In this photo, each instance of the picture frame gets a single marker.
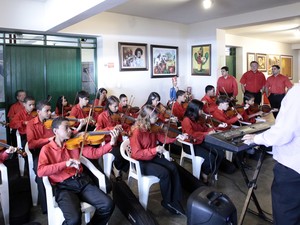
(262, 62)
(133, 56)
(250, 58)
(272, 60)
(164, 61)
(286, 66)
(201, 60)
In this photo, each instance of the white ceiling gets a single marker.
(51, 15)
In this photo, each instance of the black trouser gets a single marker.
(275, 101)
(119, 162)
(72, 191)
(285, 196)
(212, 156)
(39, 181)
(169, 180)
(257, 96)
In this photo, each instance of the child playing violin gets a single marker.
(154, 100)
(197, 131)
(63, 108)
(101, 97)
(144, 148)
(72, 185)
(178, 107)
(108, 119)
(209, 100)
(249, 115)
(219, 113)
(20, 120)
(77, 110)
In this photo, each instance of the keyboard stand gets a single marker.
(251, 184)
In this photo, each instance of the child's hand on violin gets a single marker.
(182, 137)
(119, 128)
(82, 122)
(114, 136)
(160, 149)
(239, 116)
(11, 150)
(73, 163)
(223, 125)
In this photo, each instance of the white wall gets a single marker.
(113, 28)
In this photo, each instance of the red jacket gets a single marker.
(18, 121)
(14, 109)
(178, 111)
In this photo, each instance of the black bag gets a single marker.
(188, 181)
(130, 206)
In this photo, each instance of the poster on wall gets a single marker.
(286, 67)
(273, 60)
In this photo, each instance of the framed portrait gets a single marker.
(250, 58)
(201, 60)
(164, 61)
(262, 62)
(272, 60)
(133, 56)
(286, 66)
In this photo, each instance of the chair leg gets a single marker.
(5, 206)
(21, 165)
(181, 159)
(144, 193)
(197, 166)
(33, 186)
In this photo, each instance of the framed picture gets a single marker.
(133, 56)
(250, 58)
(262, 62)
(272, 60)
(201, 59)
(164, 61)
(286, 67)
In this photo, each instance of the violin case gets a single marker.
(130, 206)
(188, 181)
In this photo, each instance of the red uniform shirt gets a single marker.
(37, 134)
(253, 82)
(77, 112)
(278, 84)
(196, 131)
(229, 84)
(209, 105)
(143, 143)
(3, 156)
(14, 109)
(178, 110)
(52, 160)
(18, 121)
(221, 116)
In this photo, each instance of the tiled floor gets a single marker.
(232, 185)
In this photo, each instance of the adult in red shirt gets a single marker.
(20, 120)
(226, 84)
(253, 82)
(197, 131)
(18, 105)
(178, 107)
(65, 171)
(209, 100)
(276, 87)
(144, 148)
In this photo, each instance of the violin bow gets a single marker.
(84, 134)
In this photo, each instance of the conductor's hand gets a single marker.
(248, 139)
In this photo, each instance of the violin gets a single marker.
(91, 138)
(122, 118)
(234, 110)
(34, 113)
(19, 151)
(264, 108)
(163, 110)
(171, 128)
(72, 121)
(97, 109)
(131, 109)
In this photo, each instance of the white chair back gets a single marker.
(196, 160)
(20, 158)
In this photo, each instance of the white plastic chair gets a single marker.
(55, 215)
(144, 182)
(196, 160)
(32, 175)
(20, 158)
(108, 159)
(4, 193)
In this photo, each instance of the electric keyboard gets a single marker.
(231, 140)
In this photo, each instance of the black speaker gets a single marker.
(206, 206)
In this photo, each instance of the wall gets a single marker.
(113, 28)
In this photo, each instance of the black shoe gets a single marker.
(174, 208)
